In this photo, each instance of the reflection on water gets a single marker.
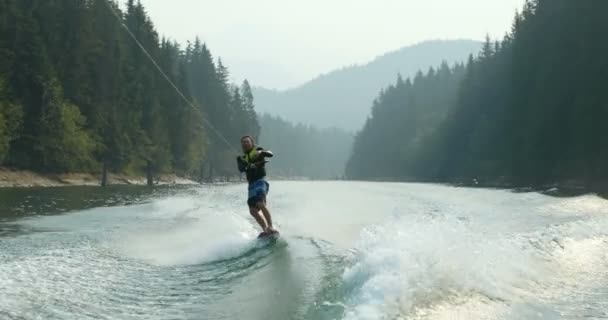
(21, 202)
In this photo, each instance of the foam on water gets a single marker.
(403, 267)
(446, 266)
(194, 230)
(210, 238)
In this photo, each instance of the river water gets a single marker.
(348, 251)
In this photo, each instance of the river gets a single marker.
(348, 250)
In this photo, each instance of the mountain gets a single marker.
(343, 98)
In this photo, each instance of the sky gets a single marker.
(284, 43)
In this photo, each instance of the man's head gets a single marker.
(247, 143)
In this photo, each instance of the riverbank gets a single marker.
(10, 178)
(568, 188)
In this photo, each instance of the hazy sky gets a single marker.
(283, 43)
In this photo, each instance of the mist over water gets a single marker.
(348, 251)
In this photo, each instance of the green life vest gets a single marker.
(250, 156)
(259, 172)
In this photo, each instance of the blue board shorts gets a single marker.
(257, 192)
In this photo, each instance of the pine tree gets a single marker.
(63, 144)
(11, 120)
(252, 125)
(487, 50)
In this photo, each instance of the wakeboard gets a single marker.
(269, 235)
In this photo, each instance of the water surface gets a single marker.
(348, 251)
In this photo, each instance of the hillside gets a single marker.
(343, 98)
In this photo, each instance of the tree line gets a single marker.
(78, 94)
(528, 110)
(305, 150)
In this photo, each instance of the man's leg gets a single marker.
(262, 206)
(258, 217)
(253, 210)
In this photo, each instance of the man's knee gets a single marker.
(260, 205)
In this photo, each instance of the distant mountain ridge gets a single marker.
(343, 98)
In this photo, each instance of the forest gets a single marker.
(305, 151)
(529, 110)
(78, 94)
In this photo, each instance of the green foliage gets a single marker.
(11, 120)
(11, 111)
(404, 117)
(79, 94)
(248, 111)
(63, 144)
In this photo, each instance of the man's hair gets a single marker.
(248, 137)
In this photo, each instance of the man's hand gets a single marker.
(265, 153)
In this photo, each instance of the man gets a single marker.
(253, 162)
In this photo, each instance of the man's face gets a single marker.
(246, 144)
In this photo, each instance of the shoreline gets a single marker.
(10, 178)
(14, 178)
(567, 188)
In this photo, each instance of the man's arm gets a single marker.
(263, 153)
(241, 164)
(258, 160)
